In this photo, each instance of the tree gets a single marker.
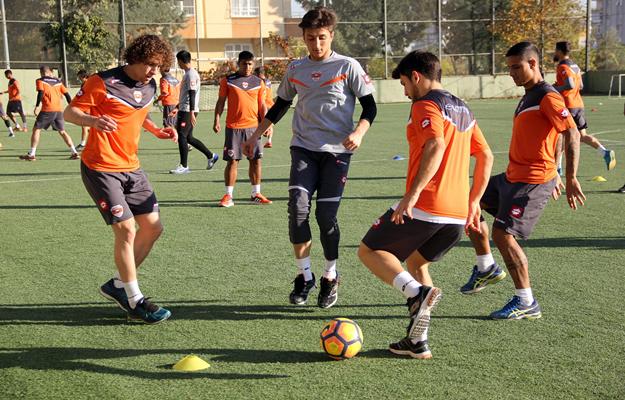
(543, 22)
(92, 28)
(609, 55)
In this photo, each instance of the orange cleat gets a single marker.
(258, 198)
(226, 201)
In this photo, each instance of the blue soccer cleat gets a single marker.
(117, 295)
(610, 159)
(479, 280)
(148, 312)
(212, 161)
(515, 310)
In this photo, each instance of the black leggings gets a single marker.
(185, 138)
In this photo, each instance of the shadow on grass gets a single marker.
(76, 173)
(599, 243)
(86, 360)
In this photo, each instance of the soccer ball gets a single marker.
(341, 338)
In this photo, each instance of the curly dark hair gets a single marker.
(319, 17)
(148, 49)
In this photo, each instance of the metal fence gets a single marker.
(375, 32)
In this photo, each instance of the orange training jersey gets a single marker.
(128, 102)
(246, 95)
(170, 90)
(14, 90)
(539, 118)
(569, 71)
(440, 114)
(53, 92)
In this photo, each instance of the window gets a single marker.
(244, 8)
(187, 7)
(233, 50)
(297, 11)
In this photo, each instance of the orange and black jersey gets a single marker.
(53, 92)
(441, 114)
(538, 120)
(170, 90)
(128, 102)
(569, 75)
(246, 97)
(14, 90)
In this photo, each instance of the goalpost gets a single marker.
(620, 85)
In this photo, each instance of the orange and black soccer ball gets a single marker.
(341, 338)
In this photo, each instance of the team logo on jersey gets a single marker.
(103, 204)
(245, 85)
(138, 96)
(80, 93)
(366, 78)
(564, 113)
(563, 72)
(425, 122)
(316, 76)
(516, 211)
(117, 210)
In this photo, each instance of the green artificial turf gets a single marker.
(226, 274)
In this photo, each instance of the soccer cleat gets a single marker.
(258, 198)
(11, 134)
(515, 310)
(80, 148)
(301, 288)
(610, 159)
(621, 189)
(268, 145)
(420, 307)
(405, 347)
(479, 280)
(148, 312)
(74, 156)
(180, 170)
(212, 161)
(328, 292)
(226, 201)
(28, 157)
(117, 295)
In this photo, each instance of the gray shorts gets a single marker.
(579, 116)
(167, 120)
(15, 106)
(119, 195)
(45, 119)
(431, 240)
(233, 144)
(516, 206)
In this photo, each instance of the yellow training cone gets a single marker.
(599, 179)
(191, 363)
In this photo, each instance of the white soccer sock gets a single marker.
(303, 265)
(525, 295)
(117, 281)
(484, 262)
(330, 270)
(601, 150)
(17, 126)
(133, 292)
(10, 130)
(83, 143)
(73, 149)
(406, 284)
(255, 189)
(32, 151)
(230, 190)
(423, 336)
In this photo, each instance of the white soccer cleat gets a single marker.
(180, 170)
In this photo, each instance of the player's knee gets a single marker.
(125, 231)
(363, 251)
(299, 205)
(326, 219)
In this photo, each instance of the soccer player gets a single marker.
(517, 197)
(49, 93)
(15, 101)
(569, 83)
(5, 118)
(82, 77)
(622, 188)
(170, 94)
(115, 105)
(245, 94)
(438, 203)
(187, 111)
(324, 138)
(260, 72)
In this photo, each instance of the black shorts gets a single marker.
(233, 144)
(119, 195)
(516, 206)
(45, 119)
(578, 115)
(15, 106)
(183, 123)
(169, 120)
(431, 240)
